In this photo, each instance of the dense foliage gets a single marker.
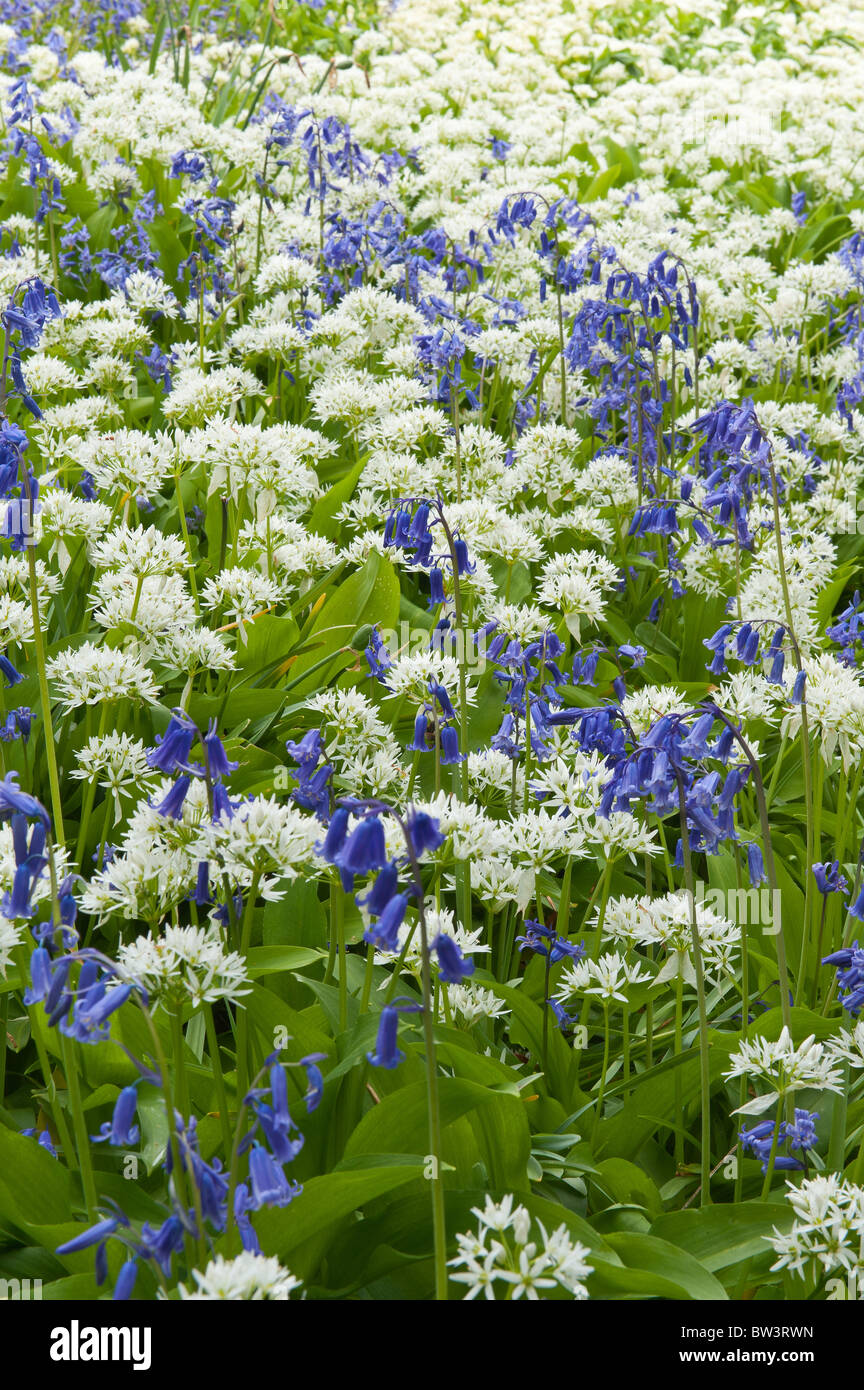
(431, 717)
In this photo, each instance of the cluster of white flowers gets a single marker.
(185, 964)
(827, 1236)
(256, 1278)
(513, 1256)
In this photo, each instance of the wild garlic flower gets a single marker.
(139, 552)
(185, 965)
(827, 1236)
(265, 838)
(785, 1068)
(11, 936)
(501, 1260)
(93, 675)
(251, 1277)
(666, 922)
(606, 978)
(117, 762)
(849, 1047)
(470, 1003)
(243, 594)
(143, 882)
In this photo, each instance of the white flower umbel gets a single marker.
(256, 1278)
(606, 978)
(11, 935)
(185, 964)
(827, 1235)
(512, 1256)
(785, 1068)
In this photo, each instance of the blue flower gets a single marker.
(171, 805)
(382, 890)
(829, 878)
(314, 1079)
(364, 851)
(7, 670)
(217, 758)
(120, 1130)
(13, 800)
(755, 866)
(385, 932)
(125, 1281)
(424, 832)
(453, 968)
(93, 1236)
(268, 1184)
(334, 841)
(849, 963)
(387, 1053)
(173, 747)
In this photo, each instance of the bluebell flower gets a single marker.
(243, 1204)
(268, 1185)
(419, 743)
(382, 890)
(424, 832)
(829, 878)
(849, 963)
(7, 670)
(334, 841)
(162, 1243)
(217, 758)
(453, 968)
(755, 865)
(560, 1014)
(17, 903)
(384, 933)
(43, 1139)
(314, 1079)
(94, 1235)
(171, 804)
(125, 1281)
(387, 1053)
(545, 941)
(174, 746)
(119, 1130)
(364, 850)
(13, 800)
(450, 747)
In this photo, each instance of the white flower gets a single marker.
(607, 978)
(257, 1278)
(11, 936)
(785, 1068)
(503, 1252)
(185, 963)
(92, 675)
(828, 1232)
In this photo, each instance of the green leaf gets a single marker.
(721, 1236)
(35, 1189)
(661, 1269)
(300, 1234)
(322, 518)
(400, 1124)
(370, 595)
(271, 960)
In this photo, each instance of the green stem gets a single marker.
(44, 696)
(704, 1062)
(82, 1138)
(219, 1079)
